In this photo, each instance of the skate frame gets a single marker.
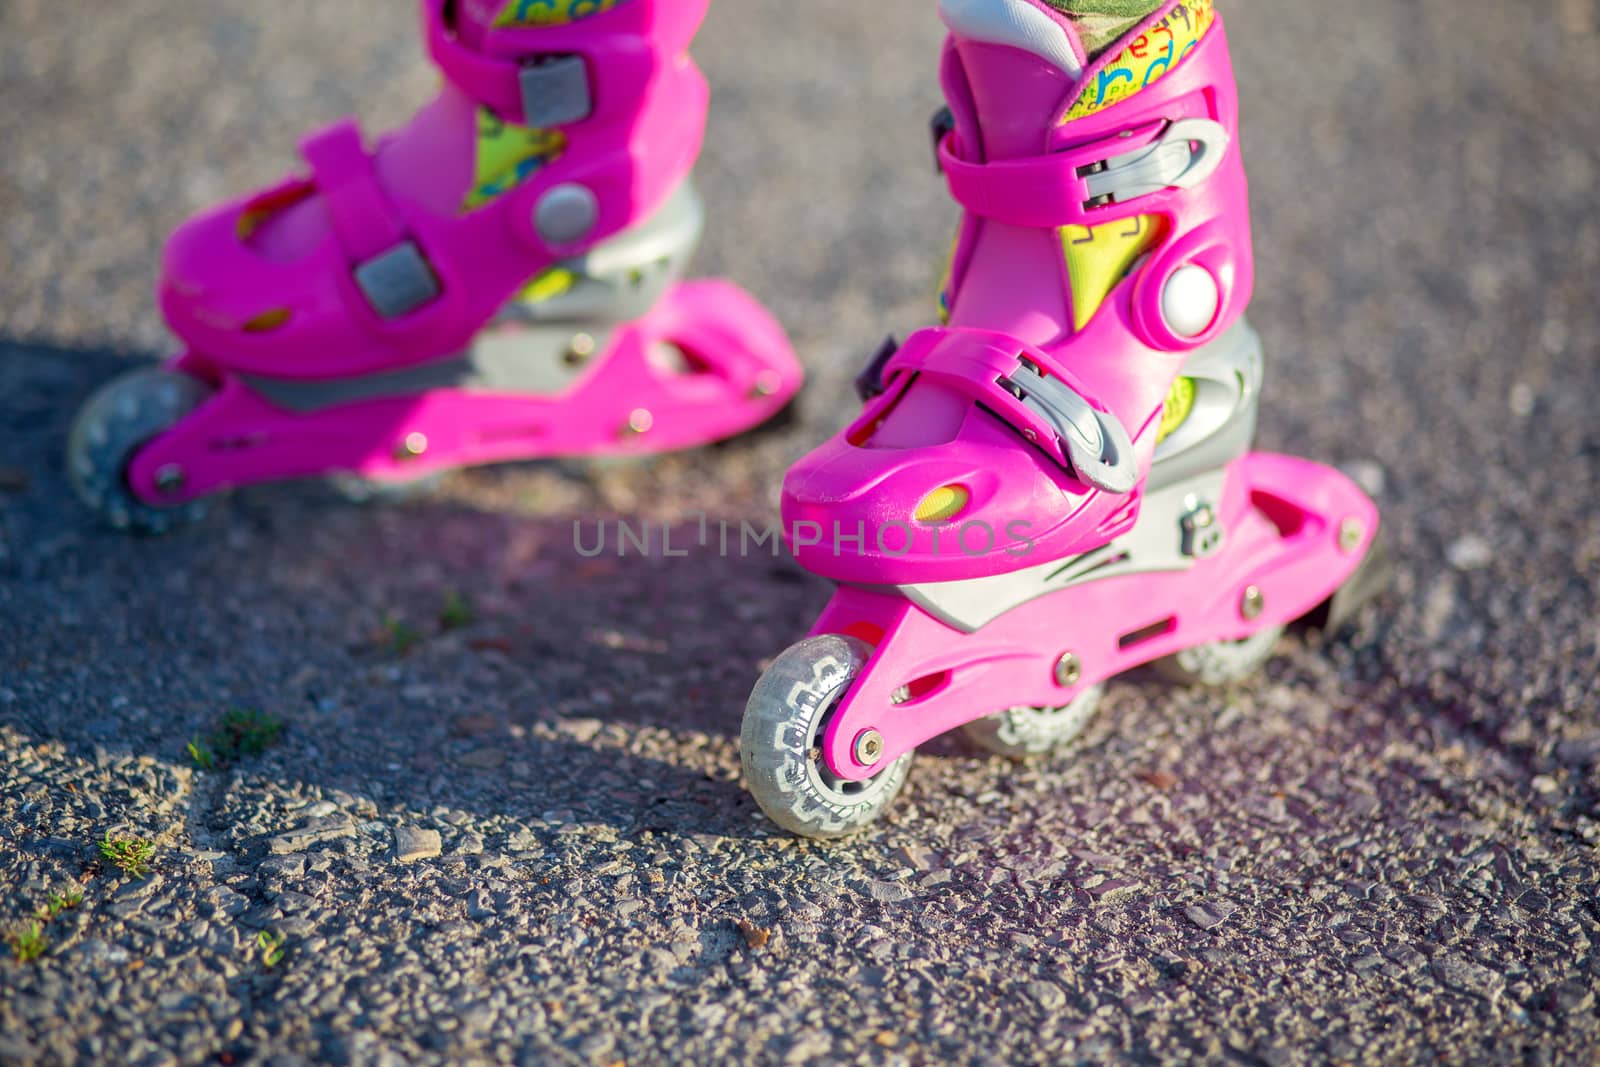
(1287, 531)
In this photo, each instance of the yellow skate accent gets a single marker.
(943, 504)
(547, 286)
(947, 281)
(506, 154)
(1179, 406)
(1146, 58)
(1098, 257)
(551, 12)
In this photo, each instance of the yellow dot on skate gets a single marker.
(943, 504)
(267, 321)
(1179, 405)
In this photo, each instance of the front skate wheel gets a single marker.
(781, 743)
(1019, 733)
(1220, 662)
(117, 421)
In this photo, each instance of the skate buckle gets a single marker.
(942, 125)
(869, 383)
(398, 281)
(555, 91)
(1202, 531)
(1187, 153)
(1095, 443)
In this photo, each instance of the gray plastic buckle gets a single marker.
(555, 91)
(1187, 153)
(942, 125)
(398, 282)
(869, 383)
(1096, 442)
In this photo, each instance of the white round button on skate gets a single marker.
(1190, 301)
(566, 214)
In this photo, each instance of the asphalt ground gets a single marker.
(1381, 850)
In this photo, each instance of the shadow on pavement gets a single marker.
(431, 653)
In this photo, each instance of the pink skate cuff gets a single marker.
(556, 86)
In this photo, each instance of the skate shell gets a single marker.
(1009, 312)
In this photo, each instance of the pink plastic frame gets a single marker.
(1288, 521)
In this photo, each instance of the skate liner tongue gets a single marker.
(1101, 22)
(1030, 25)
(1143, 56)
(476, 19)
(1151, 47)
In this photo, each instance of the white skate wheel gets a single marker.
(1190, 301)
(566, 214)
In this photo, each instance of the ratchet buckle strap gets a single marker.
(1083, 186)
(1017, 382)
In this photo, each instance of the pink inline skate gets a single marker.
(1056, 486)
(498, 280)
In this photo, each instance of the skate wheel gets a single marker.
(1220, 662)
(108, 432)
(359, 490)
(780, 743)
(1018, 733)
(1369, 581)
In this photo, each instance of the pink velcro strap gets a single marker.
(1049, 190)
(357, 206)
(1036, 192)
(973, 362)
(492, 82)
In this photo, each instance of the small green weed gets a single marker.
(272, 948)
(241, 732)
(57, 903)
(27, 941)
(400, 635)
(456, 612)
(131, 855)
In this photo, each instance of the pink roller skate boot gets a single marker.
(497, 280)
(1057, 484)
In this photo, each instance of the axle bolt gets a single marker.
(1253, 603)
(414, 445)
(1069, 669)
(768, 382)
(869, 748)
(640, 420)
(169, 479)
(580, 349)
(1351, 531)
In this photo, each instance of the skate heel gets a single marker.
(1210, 416)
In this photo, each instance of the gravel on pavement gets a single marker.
(504, 822)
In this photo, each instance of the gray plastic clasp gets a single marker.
(1187, 153)
(555, 91)
(1096, 442)
(942, 125)
(398, 282)
(869, 383)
